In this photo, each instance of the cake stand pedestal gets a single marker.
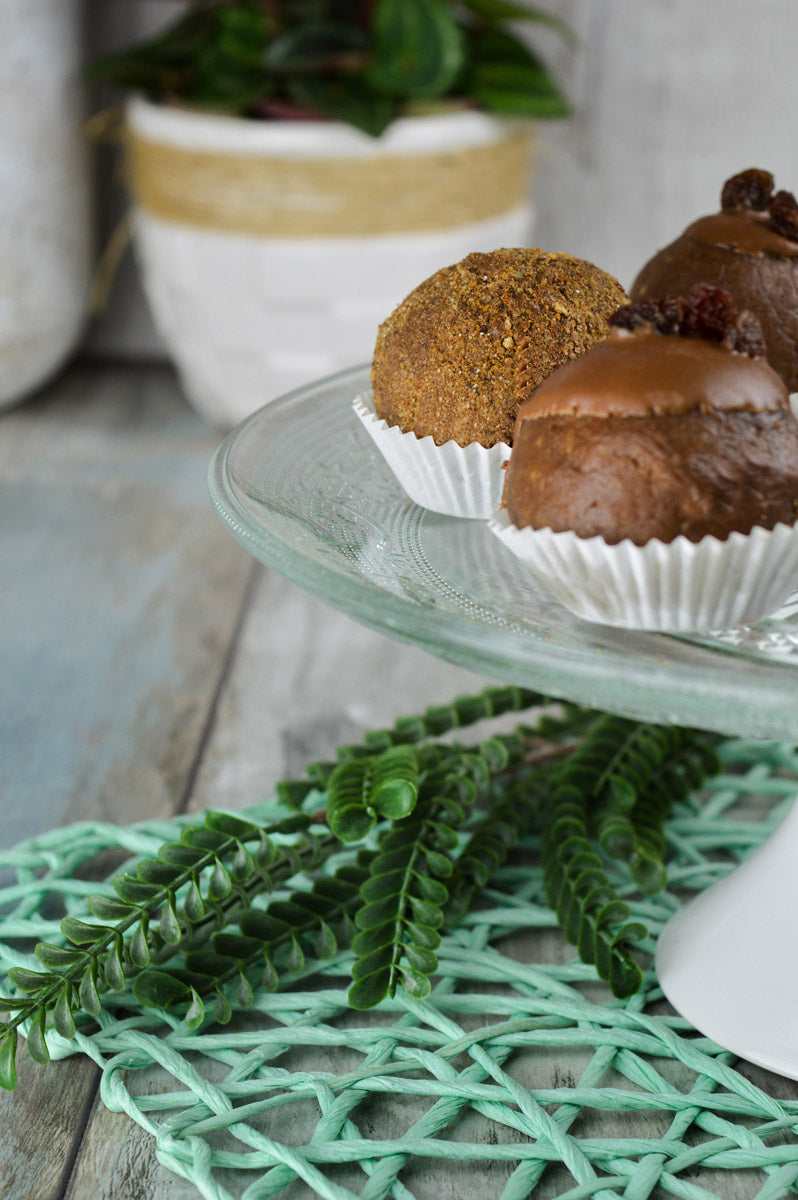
(727, 961)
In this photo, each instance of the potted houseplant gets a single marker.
(296, 166)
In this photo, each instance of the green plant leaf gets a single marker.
(108, 908)
(81, 933)
(518, 90)
(236, 946)
(316, 47)
(195, 1014)
(296, 959)
(624, 975)
(88, 992)
(150, 870)
(507, 10)
(396, 799)
(349, 99)
(220, 885)
(439, 864)
(422, 960)
(416, 984)
(648, 872)
(127, 887)
(245, 994)
(418, 48)
(367, 993)
(8, 1053)
(28, 981)
(181, 856)
(425, 913)
(269, 978)
(63, 1020)
(161, 989)
(56, 957)
(377, 960)
(373, 938)
(199, 837)
(37, 1045)
(113, 969)
(243, 864)
(193, 905)
(232, 826)
(325, 943)
(169, 926)
(138, 947)
(222, 1009)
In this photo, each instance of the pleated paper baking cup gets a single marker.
(678, 586)
(459, 481)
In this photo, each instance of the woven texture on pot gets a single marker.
(272, 195)
(520, 1075)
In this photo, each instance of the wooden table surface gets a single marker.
(150, 666)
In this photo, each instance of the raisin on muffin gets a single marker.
(750, 249)
(675, 425)
(461, 352)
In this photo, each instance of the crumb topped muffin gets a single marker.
(750, 249)
(458, 356)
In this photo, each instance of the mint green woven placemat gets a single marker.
(520, 1075)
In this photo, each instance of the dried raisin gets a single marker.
(708, 313)
(748, 189)
(783, 211)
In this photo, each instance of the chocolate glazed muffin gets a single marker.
(676, 424)
(461, 352)
(750, 249)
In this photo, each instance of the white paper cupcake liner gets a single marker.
(679, 586)
(459, 481)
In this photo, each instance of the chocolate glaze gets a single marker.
(652, 436)
(744, 232)
(646, 374)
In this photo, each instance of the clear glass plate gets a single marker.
(302, 487)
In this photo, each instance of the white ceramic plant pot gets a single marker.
(45, 247)
(270, 251)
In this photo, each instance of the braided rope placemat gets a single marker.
(519, 1075)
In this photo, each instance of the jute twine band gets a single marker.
(273, 196)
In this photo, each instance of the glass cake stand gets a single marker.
(302, 487)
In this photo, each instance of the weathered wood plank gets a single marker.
(41, 1125)
(306, 679)
(121, 590)
(120, 594)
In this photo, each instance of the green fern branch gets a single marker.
(190, 927)
(149, 924)
(596, 807)
(322, 913)
(405, 894)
